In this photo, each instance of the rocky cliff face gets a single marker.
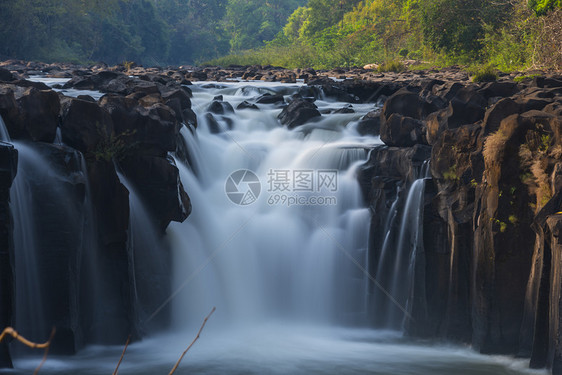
(8, 168)
(130, 130)
(488, 272)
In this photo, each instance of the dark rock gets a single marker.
(87, 98)
(499, 89)
(220, 107)
(347, 109)
(110, 200)
(6, 75)
(402, 131)
(503, 245)
(406, 103)
(8, 169)
(493, 117)
(270, 99)
(370, 123)
(247, 105)
(36, 115)
(157, 180)
(155, 125)
(189, 117)
(213, 124)
(466, 107)
(87, 127)
(298, 112)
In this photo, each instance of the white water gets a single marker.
(287, 281)
(270, 262)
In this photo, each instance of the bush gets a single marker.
(392, 66)
(485, 74)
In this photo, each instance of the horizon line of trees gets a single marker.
(507, 34)
(151, 32)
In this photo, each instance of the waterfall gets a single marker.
(396, 262)
(286, 268)
(298, 253)
(148, 257)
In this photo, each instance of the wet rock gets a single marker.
(213, 124)
(370, 123)
(59, 218)
(270, 99)
(298, 112)
(346, 109)
(111, 202)
(220, 108)
(247, 105)
(157, 180)
(8, 169)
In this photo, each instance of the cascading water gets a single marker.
(287, 272)
(148, 256)
(395, 265)
(50, 195)
(285, 256)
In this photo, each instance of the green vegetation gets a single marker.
(392, 66)
(485, 74)
(504, 34)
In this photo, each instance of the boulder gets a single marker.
(157, 181)
(298, 112)
(6, 75)
(268, 98)
(87, 127)
(247, 105)
(370, 123)
(402, 131)
(155, 126)
(219, 107)
(466, 107)
(34, 115)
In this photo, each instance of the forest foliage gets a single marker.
(151, 32)
(506, 34)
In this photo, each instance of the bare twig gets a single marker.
(122, 355)
(193, 342)
(46, 351)
(9, 331)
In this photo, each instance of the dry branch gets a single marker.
(193, 342)
(122, 355)
(12, 332)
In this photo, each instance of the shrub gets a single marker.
(392, 66)
(485, 74)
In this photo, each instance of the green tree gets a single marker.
(542, 7)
